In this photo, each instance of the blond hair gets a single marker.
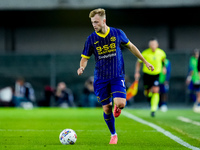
(101, 12)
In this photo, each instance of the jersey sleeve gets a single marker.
(88, 50)
(191, 65)
(124, 40)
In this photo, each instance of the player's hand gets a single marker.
(149, 66)
(188, 80)
(164, 70)
(80, 71)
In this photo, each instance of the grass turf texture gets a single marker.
(39, 128)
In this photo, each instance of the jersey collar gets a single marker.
(104, 35)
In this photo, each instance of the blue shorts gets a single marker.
(164, 88)
(105, 89)
(194, 87)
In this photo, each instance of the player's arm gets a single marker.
(134, 50)
(190, 71)
(83, 64)
(137, 70)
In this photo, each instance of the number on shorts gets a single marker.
(123, 83)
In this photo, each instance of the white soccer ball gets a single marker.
(68, 137)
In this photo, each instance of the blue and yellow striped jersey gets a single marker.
(107, 51)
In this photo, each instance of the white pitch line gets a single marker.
(188, 120)
(159, 129)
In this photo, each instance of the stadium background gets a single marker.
(42, 41)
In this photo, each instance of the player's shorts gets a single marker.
(194, 87)
(106, 89)
(164, 88)
(150, 80)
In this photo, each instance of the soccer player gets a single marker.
(193, 79)
(109, 73)
(156, 57)
(164, 85)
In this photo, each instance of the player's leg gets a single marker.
(148, 93)
(154, 100)
(110, 121)
(151, 83)
(192, 92)
(119, 95)
(147, 86)
(109, 118)
(196, 107)
(163, 97)
(162, 89)
(120, 103)
(102, 92)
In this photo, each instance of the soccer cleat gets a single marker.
(116, 111)
(113, 139)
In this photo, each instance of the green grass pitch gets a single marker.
(39, 129)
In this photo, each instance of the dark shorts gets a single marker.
(150, 80)
(105, 89)
(194, 87)
(164, 88)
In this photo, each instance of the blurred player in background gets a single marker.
(164, 85)
(156, 57)
(193, 79)
(109, 73)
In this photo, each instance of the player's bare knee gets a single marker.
(107, 108)
(156, 89)
(121, 104)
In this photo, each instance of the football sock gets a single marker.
(113, 134)
(164, 103)
(110, 121)
(149, 96)
(154, 101)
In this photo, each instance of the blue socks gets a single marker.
(110, 121)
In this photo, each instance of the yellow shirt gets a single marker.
(154, 58)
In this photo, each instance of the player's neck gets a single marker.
(104, 29)
(153, 50)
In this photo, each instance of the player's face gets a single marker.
(196, 54)
(153, 45)
(98, 23)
